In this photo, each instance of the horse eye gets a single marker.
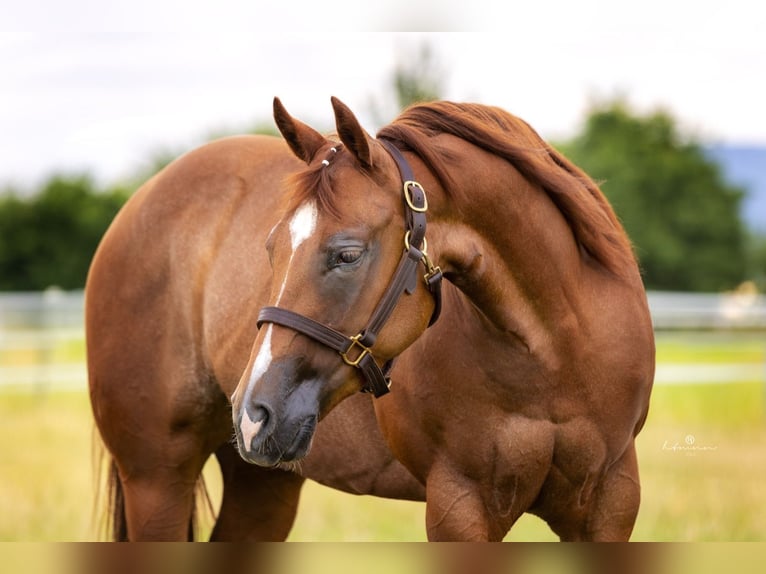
(348, 256)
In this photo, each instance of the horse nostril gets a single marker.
(260, 412)
(254, 420)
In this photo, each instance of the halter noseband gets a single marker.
(356, 351)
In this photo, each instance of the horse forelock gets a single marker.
(581, 202)
(319, 182)
(315, 183)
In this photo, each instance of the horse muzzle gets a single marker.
(258, 444)
(270, 431)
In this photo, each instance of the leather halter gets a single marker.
(356, 351)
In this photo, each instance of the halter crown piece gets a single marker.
(356, 350)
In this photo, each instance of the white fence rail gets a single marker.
(41, 339)
(42, 334)
(48, 309)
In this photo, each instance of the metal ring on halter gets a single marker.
(424, 250)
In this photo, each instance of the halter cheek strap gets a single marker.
(356, 351)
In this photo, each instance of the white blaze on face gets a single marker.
(262, 361)
(302, 226)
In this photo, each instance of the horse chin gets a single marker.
(266, 460)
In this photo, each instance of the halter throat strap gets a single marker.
(356, 351)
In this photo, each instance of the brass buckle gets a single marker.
(355, 343)
(408, 196)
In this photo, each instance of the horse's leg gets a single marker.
(616, 500)
(259, 504)
(454, 512)
(159, 496)
(460, 509)
(602, 508)
(160, 429)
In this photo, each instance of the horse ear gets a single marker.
(305, 141)
(351, 133)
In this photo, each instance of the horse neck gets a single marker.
(508, 248)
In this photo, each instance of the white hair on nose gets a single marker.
(302, 226)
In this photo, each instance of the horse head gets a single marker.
(336, 317)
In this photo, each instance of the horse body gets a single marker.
(526, 395)
(551, 358)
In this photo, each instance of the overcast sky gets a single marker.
(100, 85)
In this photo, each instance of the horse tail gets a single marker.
(203, 509)
(108, 516)
(117, 528)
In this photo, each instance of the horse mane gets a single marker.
(592, 220)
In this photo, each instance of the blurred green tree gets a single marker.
(49, 238)
(678, 210)
(417, 76)
(756, 260)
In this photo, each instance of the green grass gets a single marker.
(734, 406)
(46, 476)
(711, 347)
(54, 350)
(47, 484)
(709, 495)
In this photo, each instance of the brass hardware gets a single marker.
(408, 196)
(355, 343)
(431, 269)
(407, 243)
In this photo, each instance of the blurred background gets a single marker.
(659, 102)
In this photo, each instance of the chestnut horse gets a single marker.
(525, 396)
